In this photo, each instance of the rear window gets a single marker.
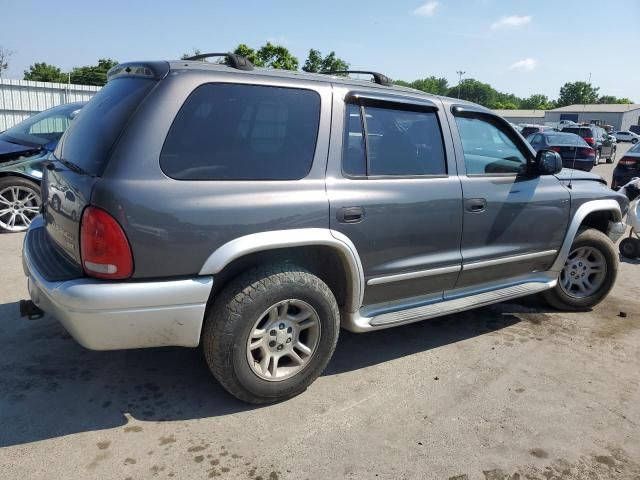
(90, 137)
(583, 132)
(566, 140)
(243, 132)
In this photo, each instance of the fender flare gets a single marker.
(582, 212)
(258, 242)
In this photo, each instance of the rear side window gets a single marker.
(583, 132)
(398, 143)
(90, 137)
(243, 132)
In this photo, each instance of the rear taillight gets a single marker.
(555, 149)
(587, 152)
(104, 247)
(628, 162)
(589, 140)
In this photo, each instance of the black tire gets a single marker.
(558, 298)
(634, 141)
(55, 203)
(630, 248)
(231, 320)
(612, 157)
(597, 159)
(24, 184)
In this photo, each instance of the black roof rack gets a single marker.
(233, 59)
(378, 78)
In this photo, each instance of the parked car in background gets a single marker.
(598, 139)
(565, 123)
(627, 136)
(627, 168)
(529, 129)
(575, 152)
(24, 149)
(255, 212)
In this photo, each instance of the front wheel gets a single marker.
(634, 141)
(630, 248)
(588, 275)
(271, 332)
(19, 203)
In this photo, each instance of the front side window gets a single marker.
(487, 148)
(398, 142)
(243, 132)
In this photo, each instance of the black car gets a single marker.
(575, 152)
(628, 167)
(531, 129)
(24, 148)
(598, 139)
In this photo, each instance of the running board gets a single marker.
(357, 323)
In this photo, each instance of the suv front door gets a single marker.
(394, 192)
(514, 220)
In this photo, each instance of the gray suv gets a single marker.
(254, 212)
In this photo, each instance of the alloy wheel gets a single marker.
(584, 272)
(283, 340)
(18, 207)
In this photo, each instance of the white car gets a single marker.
(627, 136)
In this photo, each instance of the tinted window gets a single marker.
(91, 135)
(584, 132)
(566, 140)
(354, 161)
(399, 142)
(487, 148)
(243, 132)
(526, 131)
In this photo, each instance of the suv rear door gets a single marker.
(514, 221)
(393, 190)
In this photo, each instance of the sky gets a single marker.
(521, 47)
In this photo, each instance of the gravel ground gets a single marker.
(512, 391)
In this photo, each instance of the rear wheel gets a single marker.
(271, 333)
(634, 140)
(630, 248)
(612, 157)
(588, 275)
(19, 203)
(597, 160)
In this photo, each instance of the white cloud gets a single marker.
(525, 65)
(512, 21)
(426, 10)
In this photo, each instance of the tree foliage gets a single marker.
(269, 56)
(43, 72)
(93, 74)
(315, 62)
(610, 99)
(4, 59)
(196, 51)
(573, 93)
(475, 91)
(537, 101)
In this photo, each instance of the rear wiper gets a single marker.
(73, 167)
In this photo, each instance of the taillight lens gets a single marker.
(104, 247)
(555, 149)
(628, 162)
(587, 152)
(589, 140)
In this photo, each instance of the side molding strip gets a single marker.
(582, 212)
(262, 241)
(410, 275)
(513, 258)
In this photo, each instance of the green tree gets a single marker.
(4, 59)
(315, 62)
(475, 91)
(93, 74)
(536, 101)
(43, 72)
(432, 84)
(269, 56)
(573, 93)
(610, 99)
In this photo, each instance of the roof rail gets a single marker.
(233, 59)
(378, 78)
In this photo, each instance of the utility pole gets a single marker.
(460, 74)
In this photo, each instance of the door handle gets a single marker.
(475, 205)
(350, 214)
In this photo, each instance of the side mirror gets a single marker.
(548, 162)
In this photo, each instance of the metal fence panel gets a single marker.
(19, 99)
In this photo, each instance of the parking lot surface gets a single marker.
(514, 391)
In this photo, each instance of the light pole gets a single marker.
(460, 74)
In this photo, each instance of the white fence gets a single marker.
(19, 99)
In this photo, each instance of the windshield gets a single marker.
(43, 127)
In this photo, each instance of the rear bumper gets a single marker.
(111, 316)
